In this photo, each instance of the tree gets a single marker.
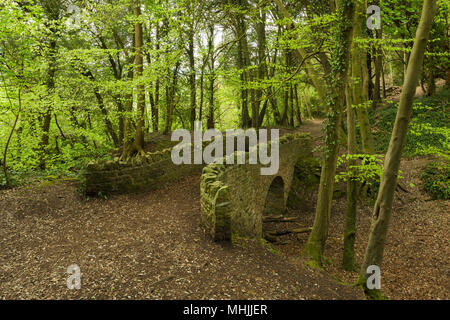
(132, 147)
(383, 206)
(336, 101)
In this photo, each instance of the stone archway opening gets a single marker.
(274, 204)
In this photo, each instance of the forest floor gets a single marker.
(417, 251)
(150, 246)
(138, 246)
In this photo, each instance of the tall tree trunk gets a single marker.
(139, 64)
(360, 73)
(192, 78)
(212, 77)
(378, 56)
(250, 77)
(202, 94)
(370, 86)
(348, 260)
(291, 100)
(297, 104)
(170, 98)
(5, 151)
(262, 68)
(48, 113)
(284, 118)
(338, 80)
(128, 148)
(155, 111)
(383, 80)
(241, 63)
(383, 206)
(431, 82)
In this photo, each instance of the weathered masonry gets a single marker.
(235, 197)
(151, 172)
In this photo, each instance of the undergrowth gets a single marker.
(429, 129)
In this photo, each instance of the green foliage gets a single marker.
(429, 130)
(367, 168)
(436, 178)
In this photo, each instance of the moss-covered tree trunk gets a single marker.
(336, 100)
(356, 97)
(139, 65)
(348, 259)
(360, 74)
(192, 86)
(132, 146)
(383, 206)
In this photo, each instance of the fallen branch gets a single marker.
(280, 219)
(284, 232)
(399, 186)
(154, 284)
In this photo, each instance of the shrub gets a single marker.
(436, 178)
(428, 132)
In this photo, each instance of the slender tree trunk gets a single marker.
(383, 80)
(340, 60)
(170, 98)
(284, 118)
(383, 206)
(251, 78)
(360, 91)
(5, 151)
(139, 63)
(262, 68)
(192, 78)
(212, 77)
(405, 63)
(378, 65)
(431, 85)
(200, 111)
(348, 260)
(241, 63)
(291, 98)
(48, 113)
(157, 86)
(297, 104)
(370, 86)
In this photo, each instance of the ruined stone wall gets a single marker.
(233, 196)
(141, 174)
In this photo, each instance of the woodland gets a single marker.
(97, 80)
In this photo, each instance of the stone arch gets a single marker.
(275, 197)
(235, 197)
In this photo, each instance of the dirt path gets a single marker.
(145, 246)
